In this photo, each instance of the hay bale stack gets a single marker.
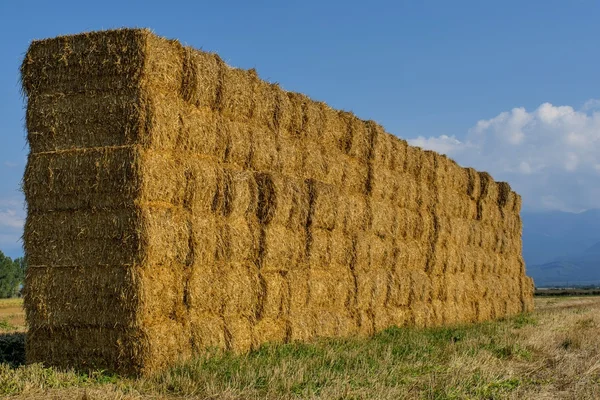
(176, 203)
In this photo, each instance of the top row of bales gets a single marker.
(220, 103)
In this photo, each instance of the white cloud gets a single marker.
(550, 155)
(10, 164)
(442, 144)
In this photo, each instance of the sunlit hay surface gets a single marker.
(177, 204)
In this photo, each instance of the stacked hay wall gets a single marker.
(176, 204)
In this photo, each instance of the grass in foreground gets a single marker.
(551, 353)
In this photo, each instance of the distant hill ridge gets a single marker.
(561, 247)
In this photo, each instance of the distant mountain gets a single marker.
(578, 269)
(561, 248)
(548, 236)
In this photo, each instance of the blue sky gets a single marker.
(505, 86)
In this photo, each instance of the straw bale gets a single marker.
(303, 326)
(354, 214)
(301, 321)
(165, 236)
(297, 102)
(331, 287)
(412, 162)
(359, 138)
(354, 178)
(265, 150)
(421, 288)
(324, 202)
(104, 178)
(282, 117)
(58, 122)
(334, 131)
(240, 141)
(335, 248)
(438, 314)
(205, 288)
(385, 219)
(399, 316)
(163, 177)
(427, 168)
(449, 176)
(290, 157)
(203, 132)
(320, 251)
(284, 199)
(385, 186)
(412, 255)
(383, 152)
(244, 194)
(133, 351)
(426, 197)
(299, 290)
(207, 330)
(271, 330)
(274, 295)
(315, 164)
(265, 103)
(238, 333)
(438, 287)
(77, 239)
(201, 78)
(527, 289)
(164, 61)
(422, 314)
(342, 248)
(410, 224)
(283, 249)
(328, 322)
(92, 61)
(162, 121)
(460, 229)
(473, 184)
(381, 319)
(204, 239)
(238, 240)
(407, 192)
(399, 288)
(382, 253)
(241, 288)
(236, 93)
(313, 121)
(61, 296)
(207, 187)
(88, 347)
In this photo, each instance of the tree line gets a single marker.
(12, 276)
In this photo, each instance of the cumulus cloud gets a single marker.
(551, 155)
(442, 144)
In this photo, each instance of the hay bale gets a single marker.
(204, 207)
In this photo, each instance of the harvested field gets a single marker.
(551, 353)
(177, 204)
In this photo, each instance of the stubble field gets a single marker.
(551, 353)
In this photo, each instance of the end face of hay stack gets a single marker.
(176, 204)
